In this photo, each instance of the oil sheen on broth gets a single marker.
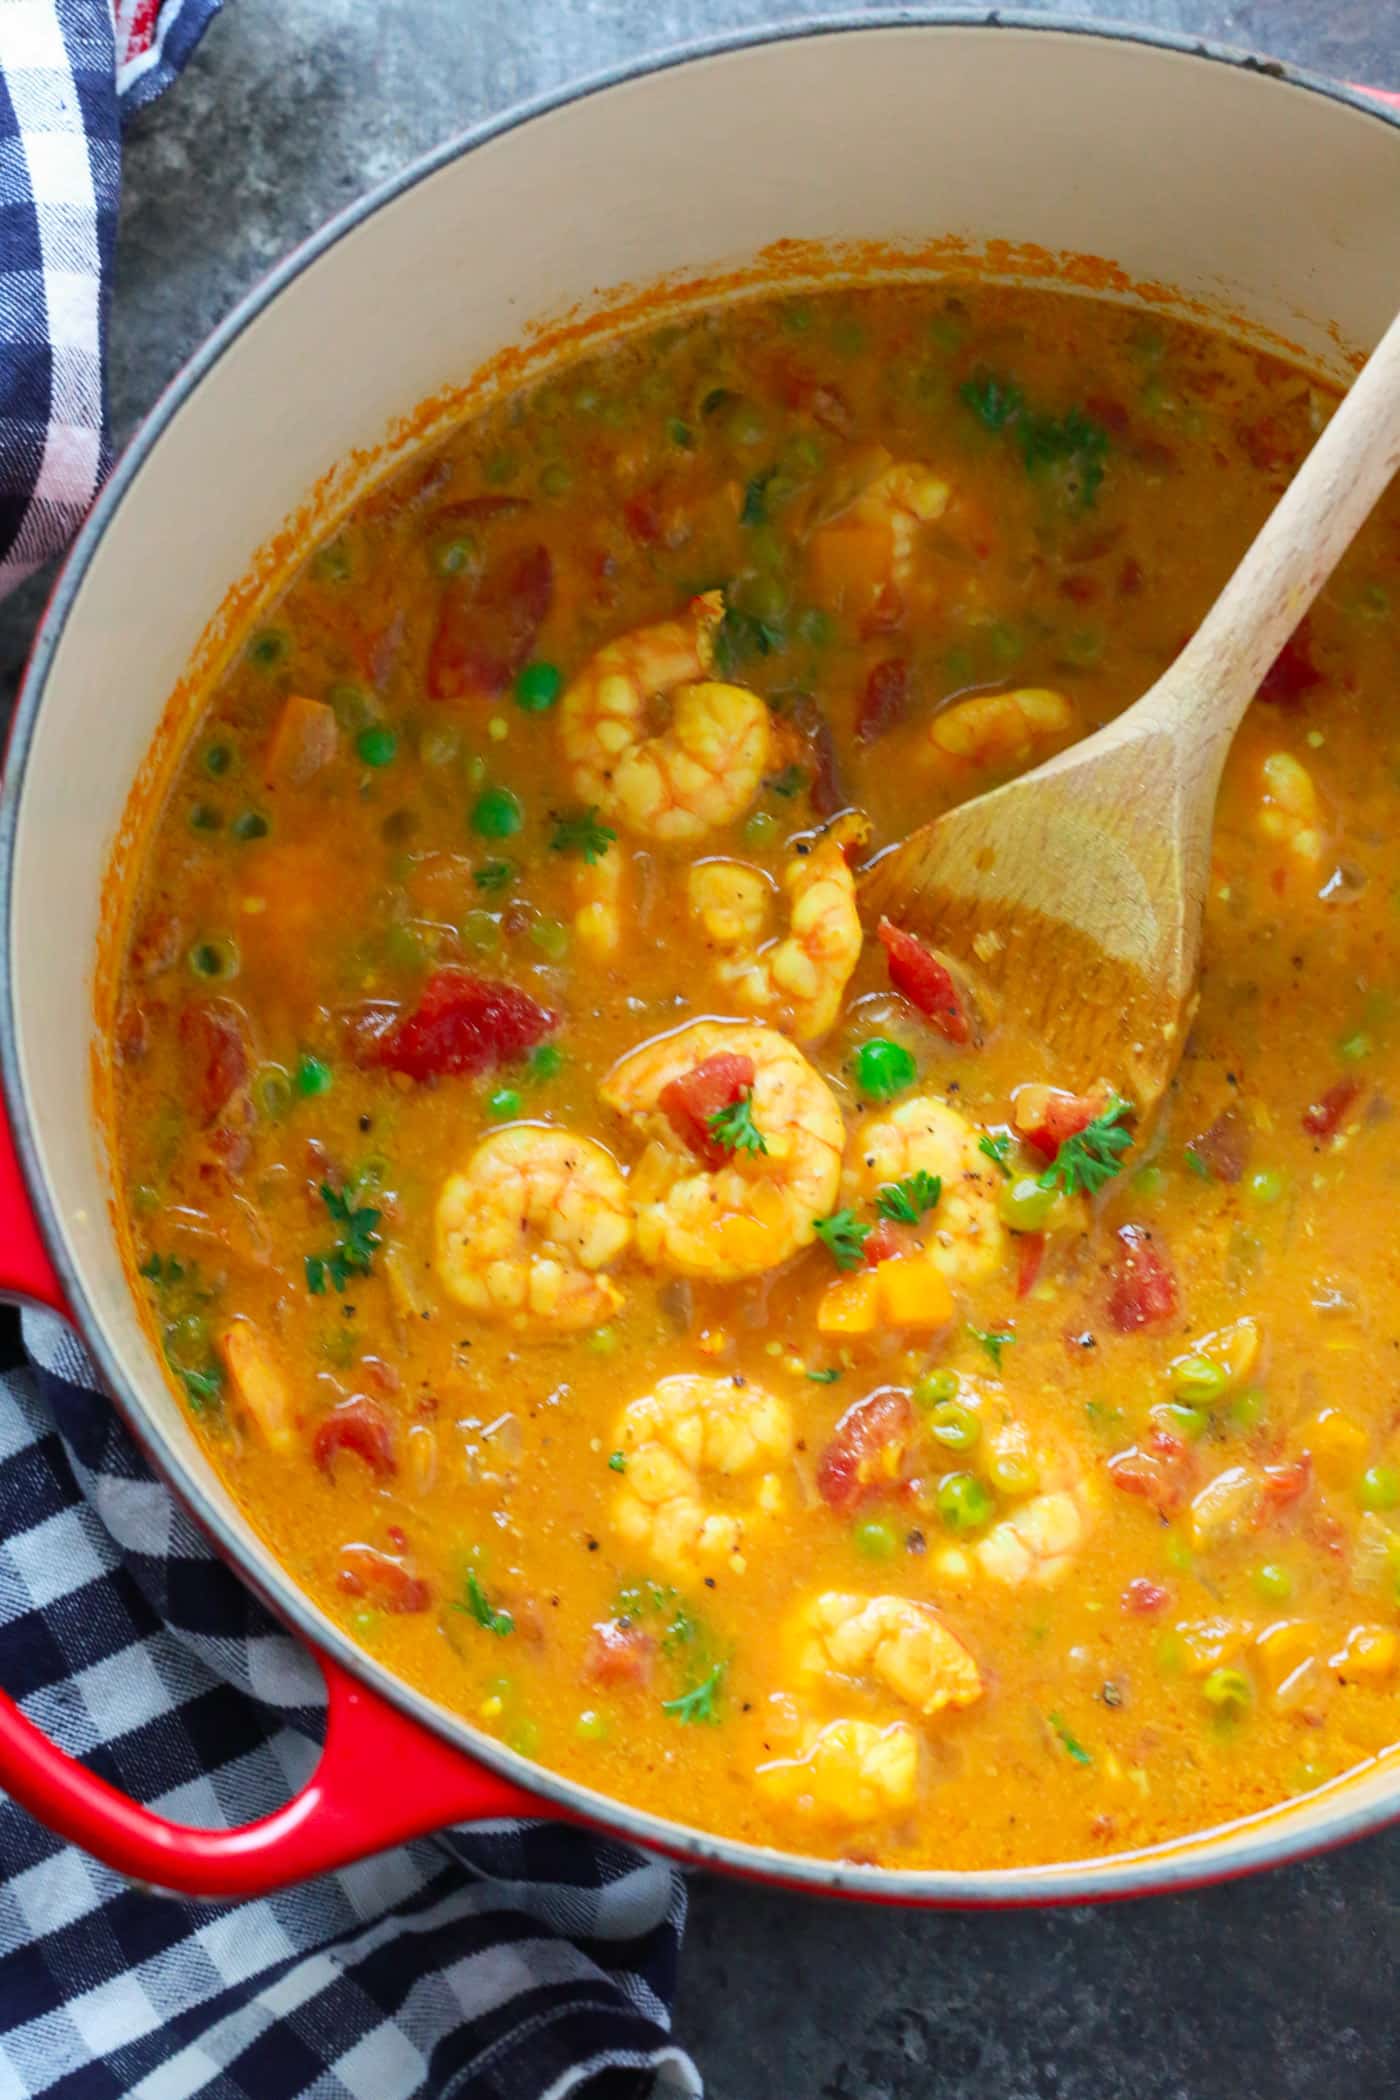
(633, 1301)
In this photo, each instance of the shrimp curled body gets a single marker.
(801, 977)
(683, 1442)
(966, 1238)
(698, 774)
(525, 1230)
(756, 1208)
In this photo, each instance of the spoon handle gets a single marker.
(1205, 693)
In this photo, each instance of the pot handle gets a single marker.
(382, 1778)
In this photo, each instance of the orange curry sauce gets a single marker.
(637, 1307)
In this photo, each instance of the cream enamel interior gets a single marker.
(1262, 199)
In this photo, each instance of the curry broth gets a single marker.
(1188, 1608)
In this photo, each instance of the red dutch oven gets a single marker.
(1192, 179)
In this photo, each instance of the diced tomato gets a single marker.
(918, 975)
(827, 792)
(1029, 1256)
(1131, 578)
(1142, 1597)
(882, 1244)
(1225, 1146)
(214, 1037)
(1142, 1288)
(486, 632)
(1283, 1484)
(642, 517)
(1292, 672)
(1110, 412)
(1081, 589)
(1045, 1117)
(689, 1101)
(1269, 443)
(385, 1581)
(618, 1653)
(1326, 1115)
(461, 1024)
(1157, 1477)
(884, 699)
(359, 1425)
(867, 1448)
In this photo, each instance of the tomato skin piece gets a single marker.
(918, 976)
(486, 634)
(1324, 1118)
(689, 1101)
(1292, 672)
(386, 1582)
(1050, 1117)
(214, 1036)
(1029, 1256)
(884, 699)
(1142, 1291)
(359, 1425)
(618, 1653)
(882, 1244)
(462, 1024)
(1283, 1484)
(1150, 1474)
(866, 1449)
(1142, 1597)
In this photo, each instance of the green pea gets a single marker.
(935, 1387)
(883, 1068)
(1149, 1184)
(269, 648)
(333, 562)
(546, 1061)
(403, 948)
(537, 688)
(813, 626)
(456, 556)
(1246, 1410)
(504, 1105)
(803, 455)
(216, 959)
(1354, 1047)
(1169, 1654)
(1266, 1186)
(680, 433)
(1179, 1420)
(551, 937)
(1227, 1690)
(556, 479)
(500, 468)
(1273, 1583)
(954, 1426)
(313, 1076)
(365, 1623)
(1082, 647)
(524, 1736)
(1380, 1487)
(875, 1539)
(1373, 602)
(796, 317)
(958, 666)
(766, 597)
(272, 1090)
(591, 1726)
(745, 424)
(1013, 1473)
(353, 707)
(438, 747)
(204, 817)
(1005, 642)
(217, 760)
(498, 814)
(603, 1341)
(145, 1198)
(1178, 1555)
(377, 746)
(480, 932)
(761, 828)
(251, 824)
(1198, 1381)
(1024, 1205)
(964, 1502)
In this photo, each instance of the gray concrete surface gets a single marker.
(1267, 1991)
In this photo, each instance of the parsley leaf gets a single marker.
(739, 637)
(1093, 1156)
(699, 1704)
(479, 1607)
(578, 831)
(353, 1251)
(992, 1339)
(156, 1270)
(1074, 445)
(843, 1237)
(755, 510)
(734, 1128)
(1071, 1746)
(827, 1377)
(788, 783)
(996, 1149)
(494, 874)
(203, 1387)
(904, 1202)
(1198, 1165)
(618, 1461)
(995, 402)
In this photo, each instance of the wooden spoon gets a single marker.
(1071, 899)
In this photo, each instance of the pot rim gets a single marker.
(1170, 1867)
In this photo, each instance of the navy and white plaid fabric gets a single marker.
(509, 1962)
(70, 70)
(513, 1961)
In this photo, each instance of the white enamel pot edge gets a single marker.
(1182, 163)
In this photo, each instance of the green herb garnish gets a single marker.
(1072, 446)
(1070, 1744)
(1198, 1164)
(992, 1339)
(479, 1607)
(734, 1128)
(996, 1150)
(995, 402)
(905, 1202)
(203, 1387)
(788, 783)
(353, 1251)
(618, 1461)
(1093, 1155)
(494, 874)
(755, 509)
(699, 1704)
(741, 636)
(579, 831)
(844, 1237)
(827, 1377)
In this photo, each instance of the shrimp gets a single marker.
(1037, 1541)
(749, 1209)
(1290, 811)
(258, 1382)
(892, 1642)
(525, 1230)
(688, 1426)
(965, 1235)
(801, 977)
(866, 553)
(848, 1772)
(697, 775)
(599, 887)
(1001, 730)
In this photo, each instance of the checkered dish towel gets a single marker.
(513, 1961)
